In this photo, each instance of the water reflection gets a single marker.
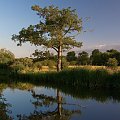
(4, 109)
(58, 113)
(54, 104)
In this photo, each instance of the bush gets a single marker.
(112, 62)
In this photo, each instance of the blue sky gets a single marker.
(104, 21)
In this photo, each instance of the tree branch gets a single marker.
(55, 49)
(67, 30)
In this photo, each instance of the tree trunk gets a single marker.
(59, 100)
(59, 62)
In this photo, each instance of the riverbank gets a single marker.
(98, 78)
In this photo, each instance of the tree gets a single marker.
(96, 57)
(38, 65)
(83, 58)
(71, 56)
(112, 62)
(58, 113)
(53, 30)
(65, 64)
(104, 58)
(21, 63)
(114, 54)
(6, 56)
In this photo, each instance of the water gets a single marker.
(29, 102)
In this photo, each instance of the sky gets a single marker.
(102, 29)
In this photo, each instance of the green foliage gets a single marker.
(21, 64)
(73, 63)
(112, 62)
(96, 57)
(104, 58)
(65, 64)
(53, 30)
(101, 58)
(87, 78)
(51, 64)
(37, 65)
(6, 56)
(42, 55)
(83, 58)
(71, 56)
(114, 54)
(4, 109)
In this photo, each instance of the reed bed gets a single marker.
(78, 77)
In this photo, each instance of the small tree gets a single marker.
(71, 56)
(96, 57)
(51, 64)
(65, 64)
(53, 30)
(38, 65)
(6, 56)
(83, 58)
(112, 62)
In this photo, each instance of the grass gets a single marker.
(80, 77)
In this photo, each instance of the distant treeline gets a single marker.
(45, 58)
(97, 58)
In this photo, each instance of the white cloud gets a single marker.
(100, 46)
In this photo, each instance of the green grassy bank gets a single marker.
(99, 78)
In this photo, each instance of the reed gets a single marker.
(79, 77)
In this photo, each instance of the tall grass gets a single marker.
(98, 78)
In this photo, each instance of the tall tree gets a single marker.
(53, 31)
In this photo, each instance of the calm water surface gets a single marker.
(38, 102)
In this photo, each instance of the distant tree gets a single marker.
(65, 63)
(114, 54)
(21, 63)
(112, 51)
(117, 56)
(71, 56)
(53, 30)
(96, 57)
(38, 65)
(83, 58)
(27, 62)
(51, 64)
(6, 56)
(104, 58)
(112, 62)
(17, 66)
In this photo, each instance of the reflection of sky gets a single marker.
(104, 21)
(20, 101)
(94, 110)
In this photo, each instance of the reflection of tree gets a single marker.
(59, 113)
(4, 109)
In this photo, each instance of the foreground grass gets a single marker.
(79, 77)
